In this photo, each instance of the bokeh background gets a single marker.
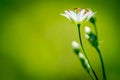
(35, 41)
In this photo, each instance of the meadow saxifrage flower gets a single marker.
(78, 16)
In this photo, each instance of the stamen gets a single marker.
(87, 10)
(68, 10)
(79, 9)
(75, 8)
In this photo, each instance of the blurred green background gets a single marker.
(35, 41)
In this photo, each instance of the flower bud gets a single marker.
(87, 30)
(93, 20)
(76, 47)
(92, 38)
(87, 36)
(84, 62)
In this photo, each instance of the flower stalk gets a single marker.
(85, 52)
(82, 58)
(85, 64)
(99, 53)
(102, 63)
(93, 39)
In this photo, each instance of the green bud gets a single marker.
(84, 62)
(76, 47)
(92, 38)
(93, 20)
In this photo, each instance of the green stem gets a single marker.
(90, 76)
(103, 69)
(84, 52)
(96, 31)
(99, 52)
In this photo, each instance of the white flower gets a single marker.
(78, 15)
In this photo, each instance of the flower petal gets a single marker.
(90, 15)
(85, 16)
(80, 15)
(71, 14)
(67, 16)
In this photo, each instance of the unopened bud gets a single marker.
(84, 62)
(76, 47)
(93, 20)
(87, 36)
(92, 38)
(87, 30)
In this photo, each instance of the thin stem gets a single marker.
(103, 69)
(85, 53)
(96, 31)
(99, 52)
(90, 76)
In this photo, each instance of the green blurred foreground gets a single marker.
(35, 41)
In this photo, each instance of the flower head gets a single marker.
(79, 15)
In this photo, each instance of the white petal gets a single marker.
(80, 15)
(67, 13)
(67, 16)
(74, 15)
(90, 15)
(85, 16)
(71, 15)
